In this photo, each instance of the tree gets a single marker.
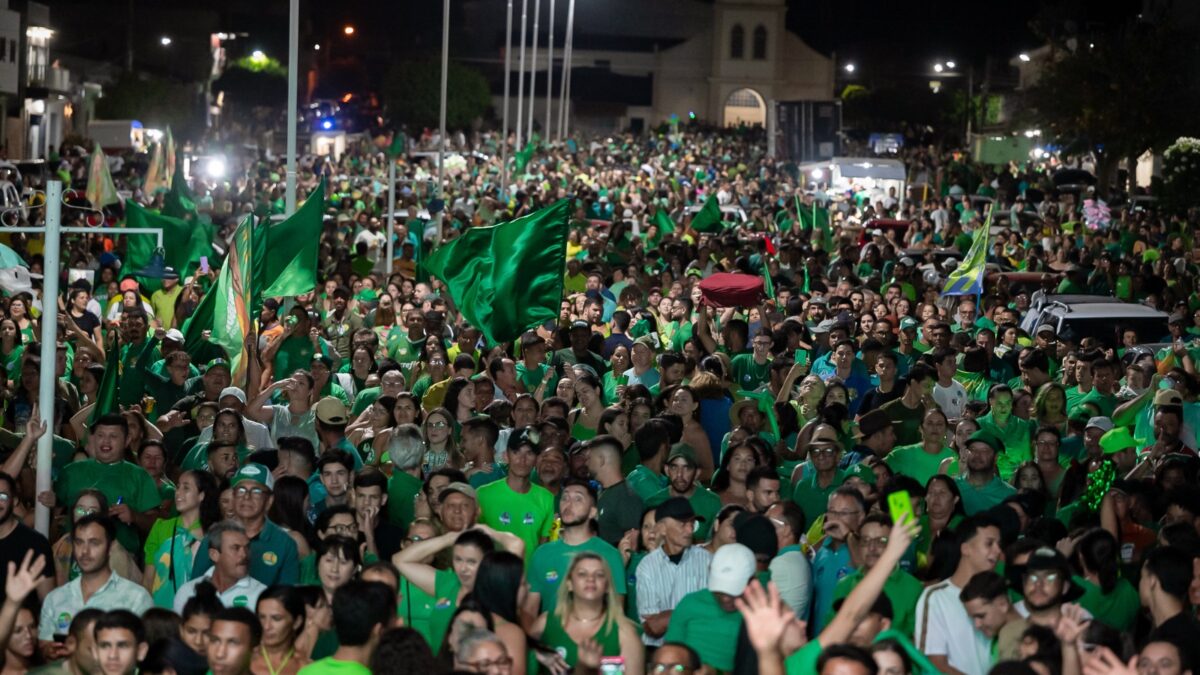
(155, 102)
(1119, 96)
(248, 88)
(412, 93)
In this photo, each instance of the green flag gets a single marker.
(285, 254)
(179, 202)
(100, 188)
(522, 157)
(507, 278)
(664, 224)
(110, 391)
(768, 285)
(184, 243)
(396, 147)
(967, 278)
(817, 218)
(201, 320)
(708, 218)
(156, 173)
(231, 317)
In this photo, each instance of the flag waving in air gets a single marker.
(507, 278)
(967, 279)
(100, 188)
(232, 319)
(708, 218)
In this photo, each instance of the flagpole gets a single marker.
(391, 217)
(46, 378)
(504, 113)
(549, 73)
(293, 68)
(537, 10)
(568, 47)
(442, 115)
(521, 71)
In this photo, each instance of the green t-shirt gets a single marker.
(905, 421)
(415, 608)
(1017, 435)
(332, 665)
(531, 378)
(975, 500)
(699, 622)
(914, 462)
(901, 588)
(645, 482)
(551, 560)
(365, 399)
(810, 497)
(121, 482)
(1117, 609)
(704, 502)
(748, 374)
(529, 515)
(445, 602)
(803, 661)
(402, 488)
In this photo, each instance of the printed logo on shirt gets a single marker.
(241, 601)
(505, 519)
(528, 520)
(442, 603)
(270, 558)
(63, 623)
(552, 576)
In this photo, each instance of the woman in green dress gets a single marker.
(588, 609)
(172, 542)
(586, 418)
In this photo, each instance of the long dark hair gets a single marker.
(1097, 551)
(287, 509)
(292, 601)
(497, 583)
(953, 488)
(210, 504)
(450, 402)
(467, 604)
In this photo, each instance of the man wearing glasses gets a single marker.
(1046, 585)
(273, 555)
(901, 588)
(753, 370)
(818, 479)
(831, 559)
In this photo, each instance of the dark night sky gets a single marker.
(901, 37)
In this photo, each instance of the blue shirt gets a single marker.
(829, 566)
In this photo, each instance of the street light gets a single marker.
(937, 68)
(165, 41)
(258, 56)
(348, 29)
(849, 67)
(950, 65)
(316, 48)
(1024, 57)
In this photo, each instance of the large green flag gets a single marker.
(664, 224)
(184, 243)
(100, 188)
(201, 320)
(522, 157)
(708, 218)
(396, 147)
(231, 316)
(285, 254)
(110, 390)
(507, 278)
(817, 218)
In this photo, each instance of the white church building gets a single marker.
(637, 63)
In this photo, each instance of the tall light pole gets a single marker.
(293, 68)
(521, 71)
(566, 75)
(442, 116)
(537, 10)
(549, 73)
(504, 113)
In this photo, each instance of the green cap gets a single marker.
(685, 451)
(861, 472)
(1116, 440)
(367, 295)
(254, 472)
(647, 341)
(987, 437)
(217, 363)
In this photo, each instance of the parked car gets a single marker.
(1104, 321)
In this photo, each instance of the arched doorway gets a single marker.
(745, 106)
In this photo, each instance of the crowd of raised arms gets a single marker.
(852, 474)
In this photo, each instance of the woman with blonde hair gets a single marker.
(588, 609)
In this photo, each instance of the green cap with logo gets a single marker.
(256, 473)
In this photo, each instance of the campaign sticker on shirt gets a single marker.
(241, 601)
(63, 623)
(442, 603)
(552, 576)
(270, 558)
(528, 520)
(505, 519)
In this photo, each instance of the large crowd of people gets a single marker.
(849, 473)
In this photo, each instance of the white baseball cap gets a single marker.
(732, 567)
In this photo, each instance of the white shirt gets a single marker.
(63, 603)
(244, 593)
(792, 573)
(661, 584)
(257, 434)
(945, 629)
(951, 399)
